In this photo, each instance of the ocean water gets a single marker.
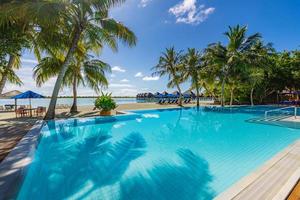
(81, 101)
(182, 154)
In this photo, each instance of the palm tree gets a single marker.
(231, 59)
(191, 70)
(74, 20)
(13, 38)
(259, 59)
(170, 64)
(81, 71)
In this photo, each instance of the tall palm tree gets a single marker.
(170, 64)
(76, 20)
(259, 59)
(81, 71)
(191, 70)
(231, 59)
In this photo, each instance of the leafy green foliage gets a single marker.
(105, 102)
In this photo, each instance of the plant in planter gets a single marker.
(105, 104)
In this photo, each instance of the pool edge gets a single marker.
(15, 163)
(247, 181)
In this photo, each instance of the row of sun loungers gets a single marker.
(173, 101)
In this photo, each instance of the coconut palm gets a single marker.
(170, 64)
(82, 71)
(13, 39)
(231, 59)
(191, 70)
(259, 59)
(77, 20)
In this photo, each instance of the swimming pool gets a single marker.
(154, 154)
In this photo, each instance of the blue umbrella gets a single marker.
(170, 96)
(27, 95)
(157, 95)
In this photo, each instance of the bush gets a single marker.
(105, 102)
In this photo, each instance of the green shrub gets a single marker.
(105, 102)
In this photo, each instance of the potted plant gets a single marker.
(105, 104)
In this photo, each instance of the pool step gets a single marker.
(269, 119)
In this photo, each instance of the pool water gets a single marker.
(159, 154)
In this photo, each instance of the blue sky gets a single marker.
(181, 23)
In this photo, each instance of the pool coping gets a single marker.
(272, 164)
(15, 163)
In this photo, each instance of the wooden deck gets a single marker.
(274, 180)
(295, 194)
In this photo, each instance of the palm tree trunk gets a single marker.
(231, 96)
(51, 109)
(180, 96)
(222, 92)
(251, 96)
(197, 93)
(74, 106)
(12, 59)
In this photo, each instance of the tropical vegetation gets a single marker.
(58, 28)
(245, 70)
(65, 37)
(105, 102)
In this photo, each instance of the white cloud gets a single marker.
(139, 74)
(189, 12)
(124, 80)
(144, 3)
(112, 75)
(151, 78)
(118, 69)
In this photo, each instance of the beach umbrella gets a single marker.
(165, 94)
(157, 95)
(176, 94)
(27, 95)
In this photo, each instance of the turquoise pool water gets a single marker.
(171, 154)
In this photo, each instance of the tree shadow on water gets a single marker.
(188, 180)
(94, 159)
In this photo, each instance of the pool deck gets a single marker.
(274, 180)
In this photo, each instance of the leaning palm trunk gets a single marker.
(74, 106)
(12, 59)
(51, 109)
(222, 92)
(251, 96)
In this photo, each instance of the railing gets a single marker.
(282, 109)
